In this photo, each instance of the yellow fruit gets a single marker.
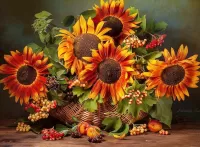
(82, 127)
(93, 131)
(119, 136)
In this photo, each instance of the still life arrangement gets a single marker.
(104, 72)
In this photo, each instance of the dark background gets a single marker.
(181, 15)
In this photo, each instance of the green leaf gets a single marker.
(78, 91)
(54, 32)
(43, 14)
(160, 26)
(52, 71)
(30, 110)
(60, 73)
(140, 51)
(90, 105)
(75, 119)
(89, 13)
(49, 21)
(163, 110)
(112, 123)
(143, 23)
(68, 20)
(123, 130)
(53, 95)
(84, 97)
(42, 37)
(133, 10)
(122, 106)
(100, 99)
(151, 26)
(62, 129)
(36, 48)
(153, 55)
(147, 103)
(117, 125)
(63, 83)
(51, 52)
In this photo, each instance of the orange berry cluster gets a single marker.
(141, 129)
(134, 42)
(138, 95)
(163, 132)
(75, 82)
(22, 127)
(45, 107)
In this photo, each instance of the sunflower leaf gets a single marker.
(143, 24)
(60, 73)
(84, 97)
(36, 48)
(162, 110)
(90, 105)
(123, 130)
(160, 26)
(153, 55)
(30, 110)
(134, 109)
(62, 129)
(151, 26)
(140, 51)
(88, 13)
(68, 20)
(133, 10)
(78, 91)
(43, 14)
(53, 95)
(112, 124)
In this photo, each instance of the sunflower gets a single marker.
(108, 71)
(78, 44)
(116, 18)
(172, 76)
(25, 75)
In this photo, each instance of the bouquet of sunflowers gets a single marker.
(102, 68)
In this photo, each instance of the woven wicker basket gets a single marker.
(65, 114)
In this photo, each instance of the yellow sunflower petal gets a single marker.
(90, 24)
(66, 32)
(83, 24)
(99, 27)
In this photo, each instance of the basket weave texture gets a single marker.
(65, 114)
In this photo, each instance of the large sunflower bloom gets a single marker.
(172, 76)
(78, 44)
(25, 75)
(108, 71)
(116, 18)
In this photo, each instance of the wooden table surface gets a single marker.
(182, 135)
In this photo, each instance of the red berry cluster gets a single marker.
(33, 106)
(134, 42)
(51, 134)
(156, 42)
(137, 95)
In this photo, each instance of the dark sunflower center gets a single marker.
(26, 75)
(83, 45)
(115, 24)
(173, 75)
(109, 71)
